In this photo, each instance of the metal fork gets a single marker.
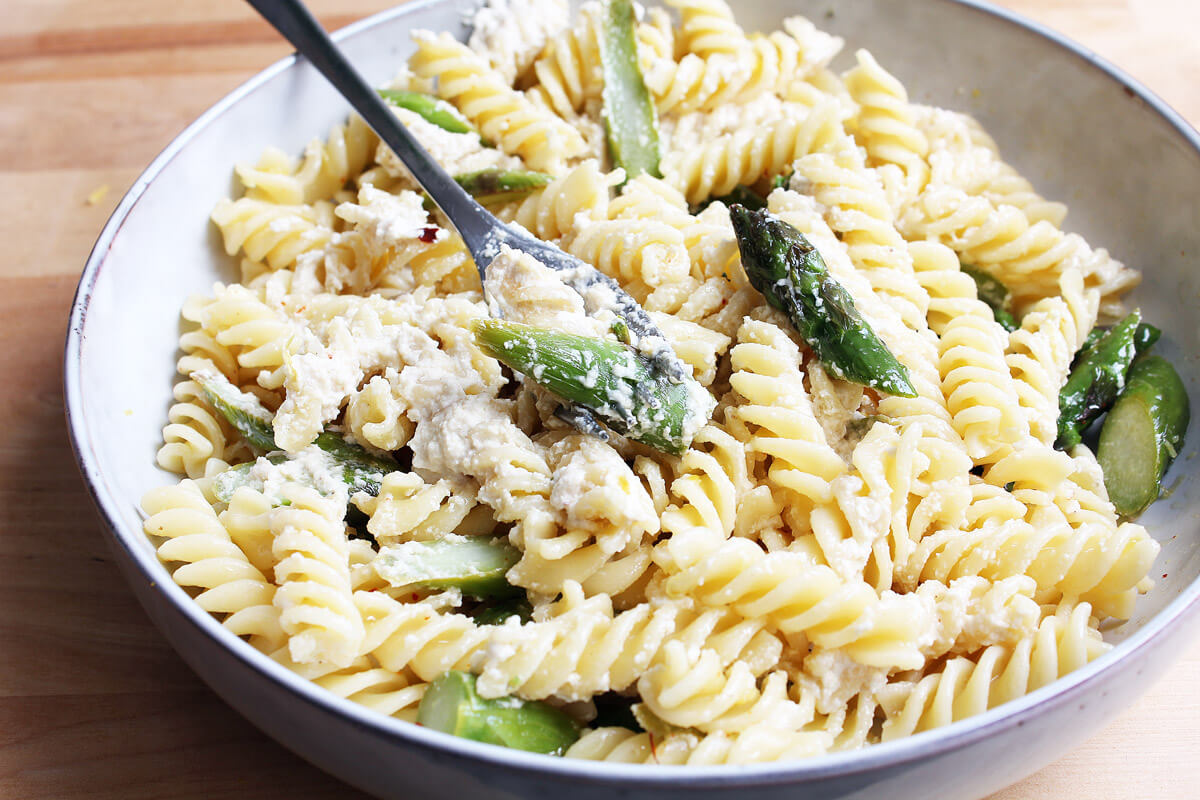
(480, 230)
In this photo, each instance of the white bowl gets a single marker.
(1128, 166)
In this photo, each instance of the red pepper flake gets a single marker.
(653, 751)
(429, 234)
(1164, 574)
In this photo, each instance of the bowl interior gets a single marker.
(1129, 173)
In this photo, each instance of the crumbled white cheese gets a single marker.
(310, 466)
(457, 153)
(510, 33)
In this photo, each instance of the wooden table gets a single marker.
(93, 703)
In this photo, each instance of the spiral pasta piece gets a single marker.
(1029, 257)
(961, 154)
(596, 536)
(965, 686)
(711, 475)
(324, 169)
(375, 414)
(208, 560)
(799, 596)
(502, 115)
(745, 156)
(554, 211)
(766, 366)
(978, 386)
(642, 254)
(1039, 353)
(408, 509)
(885, 124)
(859, 211)
(312, 569)
(194, 436)
(252, 331)
(273, 234)
(708, 236)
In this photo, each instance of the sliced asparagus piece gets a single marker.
(491, 186)
(432, 109)
(995, 294)
(629, 116)
(1096, 380)
(500, 611)
(451, 704)
(791, 274)
(611, 380)
(240, 409)
(474, 566)
(1143, 433)
(361, 471)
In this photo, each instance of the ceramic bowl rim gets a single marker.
(875, 757)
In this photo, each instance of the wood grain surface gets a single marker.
(93, 703)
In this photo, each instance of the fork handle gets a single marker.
(292, 19)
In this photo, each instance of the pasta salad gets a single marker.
(479, 505)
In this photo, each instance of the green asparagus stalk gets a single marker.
(629, 115)
(361, 471)
(613, 381)
(791, 274)
(491, 186)
(1096, 379)
(1146, 336)
(474, 566)
(241, 409)
(433, 110)
(1143, 434)
(452, 704)
(995, 294)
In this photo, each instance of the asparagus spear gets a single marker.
(613, 381)
(1143, 433)
(241, 409)
(1096, 379)
(995, 294)
(629, 115)
(361, 471)
(475, 566)
(791, 274)
(451, 704)
(490, 186)
(432, 109)
(1146, 336)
